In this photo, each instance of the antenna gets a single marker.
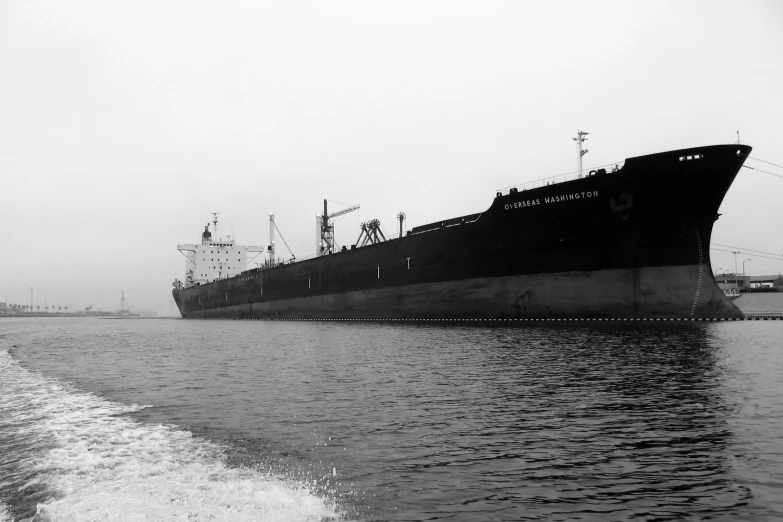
(738, 141)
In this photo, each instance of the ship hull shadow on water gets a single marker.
(633, 243)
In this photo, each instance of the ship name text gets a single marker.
(553, 199)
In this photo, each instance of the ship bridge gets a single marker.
(215, 258)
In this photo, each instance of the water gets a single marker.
(224, 420)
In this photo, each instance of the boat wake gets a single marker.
(70, 455)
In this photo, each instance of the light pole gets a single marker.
(743, 274)
(736, 282)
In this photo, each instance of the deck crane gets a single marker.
(271, 248)
(324, 230)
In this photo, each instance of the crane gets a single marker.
(324, 230)
(271, 248)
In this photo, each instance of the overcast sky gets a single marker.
(123, 124)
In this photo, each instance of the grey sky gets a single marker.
(123, 124)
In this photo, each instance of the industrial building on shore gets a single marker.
(748, 283)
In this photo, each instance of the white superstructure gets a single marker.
(214, 259)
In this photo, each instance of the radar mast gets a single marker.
(215, 222)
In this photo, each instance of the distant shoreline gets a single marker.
(106, 315)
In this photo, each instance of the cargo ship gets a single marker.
(627, 241)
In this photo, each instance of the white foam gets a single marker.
(102, 465)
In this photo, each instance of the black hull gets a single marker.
(630, 244)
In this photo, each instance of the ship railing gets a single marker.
(609, 168)
(289, 261)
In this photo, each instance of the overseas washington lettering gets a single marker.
(569, 197)
(553, 199)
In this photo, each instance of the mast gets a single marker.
(215, 221)
(581, 137)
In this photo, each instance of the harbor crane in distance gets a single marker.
(324, 230)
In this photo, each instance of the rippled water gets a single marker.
(223, 420)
